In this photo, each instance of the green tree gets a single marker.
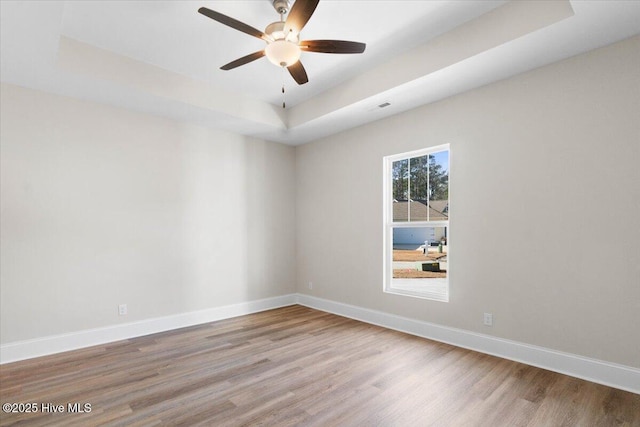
(420, 178)
(438, 181)
(400, 173)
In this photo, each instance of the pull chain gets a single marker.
(283, 78)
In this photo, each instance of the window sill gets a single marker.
(433, 289)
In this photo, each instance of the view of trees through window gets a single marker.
(423, 179)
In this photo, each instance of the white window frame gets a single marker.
(390, 225)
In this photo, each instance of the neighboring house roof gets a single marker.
(438, 210)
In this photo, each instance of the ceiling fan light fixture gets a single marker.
(283, 53)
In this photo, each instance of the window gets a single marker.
(416, 223)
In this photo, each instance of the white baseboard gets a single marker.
(597, 371)
(28, 349)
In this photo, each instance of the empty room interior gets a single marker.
(320, 213)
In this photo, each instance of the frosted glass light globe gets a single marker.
(283, 53)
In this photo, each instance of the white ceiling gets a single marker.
(162, 57)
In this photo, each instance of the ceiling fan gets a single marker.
(283, 38)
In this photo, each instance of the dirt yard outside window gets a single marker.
(401, 255)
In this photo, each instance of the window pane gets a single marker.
(419, 260)
(419, 177)
(438, 186)
(400, 184)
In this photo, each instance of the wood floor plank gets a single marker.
(296, 366)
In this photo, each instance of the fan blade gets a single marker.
(233, 23)
(332, 46)
(298, 73)
(299, 15)
(244, 60)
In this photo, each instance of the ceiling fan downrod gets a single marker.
(281, 6)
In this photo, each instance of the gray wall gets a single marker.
(546, 165)
(102, 206)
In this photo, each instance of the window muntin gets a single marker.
(417, 223)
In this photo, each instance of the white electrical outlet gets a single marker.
(310, 285)
(122, 309)
(488, 319)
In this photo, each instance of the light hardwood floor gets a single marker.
(298, 366)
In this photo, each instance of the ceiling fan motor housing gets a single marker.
(276, 31)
